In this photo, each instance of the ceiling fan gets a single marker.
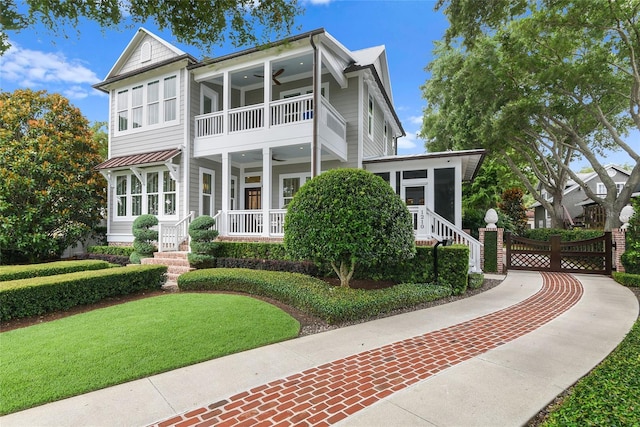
(274, 76)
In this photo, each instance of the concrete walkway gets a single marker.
(490, 360)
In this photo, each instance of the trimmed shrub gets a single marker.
(453, 267)
(111, 250)
(274, 251)
(491, 251)
(630, 259)
(302, 267)
(143, 238)
(475, 280)
(544, 234)
(348, 217)
(111, 259)
(40, 295)
(202, 242)
(627, 279)
(16, 272)
(310, 295)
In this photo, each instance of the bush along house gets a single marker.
(236, 136)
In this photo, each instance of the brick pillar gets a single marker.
(499, 248)
(619, 238)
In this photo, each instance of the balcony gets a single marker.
(285, 122)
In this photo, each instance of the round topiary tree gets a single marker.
(348, 217)
(143, 238)
(202, 242)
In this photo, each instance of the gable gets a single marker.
(144, 50)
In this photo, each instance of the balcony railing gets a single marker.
(288, 111)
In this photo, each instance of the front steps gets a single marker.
(176, 262)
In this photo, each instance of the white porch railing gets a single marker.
(292, 110)
(429, 225)
(288, 111)
(246, 118)
(171, 236)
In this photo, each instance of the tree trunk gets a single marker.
(345, 272)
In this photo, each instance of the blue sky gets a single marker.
(70, 63)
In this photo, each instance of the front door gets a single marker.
(253, 198)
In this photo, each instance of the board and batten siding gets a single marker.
(372, 147)
(345, 101)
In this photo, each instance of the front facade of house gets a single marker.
(579, 209)
(235, 137)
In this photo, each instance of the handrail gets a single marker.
(170, 236)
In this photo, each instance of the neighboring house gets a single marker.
(235, 137)
(579, 209)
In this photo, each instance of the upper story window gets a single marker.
(601, 190)
(385, 137)
(370, 123)
(150, 104)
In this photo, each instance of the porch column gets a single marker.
(226, 183)
(266, 191)
(267, 94)
(226, 101)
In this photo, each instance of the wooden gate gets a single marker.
(582, 256)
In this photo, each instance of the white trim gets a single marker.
(144, 126)
(371, 115)
(128, 173)
(305, 90)
(212, 202)
(303, 176)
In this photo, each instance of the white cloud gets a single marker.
(415, 120)
(45, 70)
(319, 2)
(410, 144)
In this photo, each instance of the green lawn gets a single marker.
(104, 347)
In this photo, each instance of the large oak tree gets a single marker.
(204, 23)
(541, 84)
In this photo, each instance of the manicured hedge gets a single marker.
(40, 295)
(16, 272)
(273, 251)
(311, 295)
(475, 280)
(111, 250)
(491, 252)
(453, 267)
(627, 279)
(545, 234)
(112, 259)
(302, 267)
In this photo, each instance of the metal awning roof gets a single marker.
(139, 159)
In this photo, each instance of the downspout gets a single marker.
(314, 137)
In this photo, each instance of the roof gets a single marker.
(139, 159)
(472, 159)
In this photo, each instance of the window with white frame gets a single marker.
(601, 190)
(289, 186)
(135, 197)
(385, 137)
(150, 104)
(370, 123)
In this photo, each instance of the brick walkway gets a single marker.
(326, 394)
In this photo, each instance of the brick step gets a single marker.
(166, 261)
(173, 254)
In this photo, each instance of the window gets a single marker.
(170, 99)
(150, 104)
(384, 175)
(153, 105)
(121, 196)
(370, 121)
(135, 197)
(232, 193)
(289, 186)
(206, 191)
(415, 174)
(385, 137)
(145, 52)
(601, 190)
(123, 109)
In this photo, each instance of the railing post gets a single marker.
(159, 237)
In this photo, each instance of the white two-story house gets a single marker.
(236, 136)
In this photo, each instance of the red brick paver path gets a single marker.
(326, 394)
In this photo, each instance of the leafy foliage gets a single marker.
(273, 251)
(627, 279)
(631, 257)
(111, 250)
(609, 394)
(491, 252)
(202, 242)
(310, 295)
(545, 234)
(39, 295)
(144, 237)
(346, 217)
(50, 194)
(203, 22)
(540, 84)
(15, 272)
(512, 206)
